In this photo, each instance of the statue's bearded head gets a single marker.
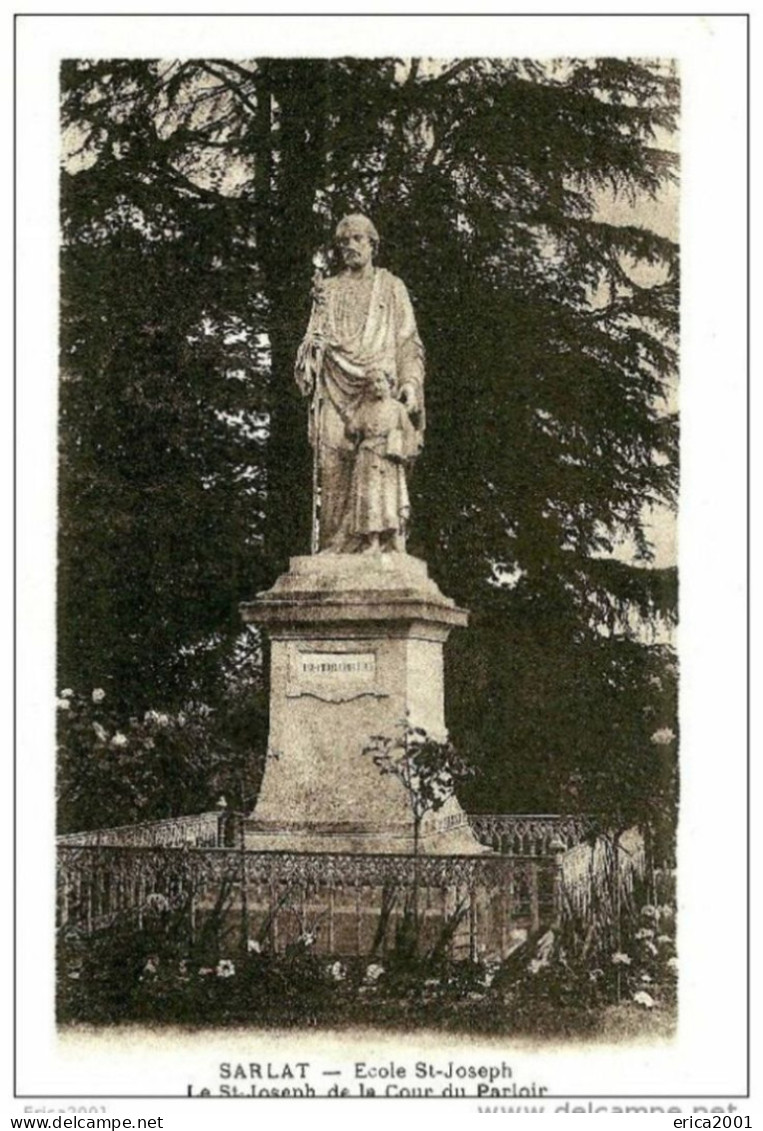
(357, 240)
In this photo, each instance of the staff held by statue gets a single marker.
(318, 320)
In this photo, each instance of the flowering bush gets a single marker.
(576, 972)
(114, 770)
(656, 965)
(162, 973)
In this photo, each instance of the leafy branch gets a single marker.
(429, 769)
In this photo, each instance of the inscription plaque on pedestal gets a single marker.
(338, 665)
(334, 676)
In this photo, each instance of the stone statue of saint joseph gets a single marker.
(357, 626)
(362, 325)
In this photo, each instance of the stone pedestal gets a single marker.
(356, 647)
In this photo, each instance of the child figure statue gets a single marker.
(385, 440)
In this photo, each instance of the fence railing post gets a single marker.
(558, 848)
(534, 898)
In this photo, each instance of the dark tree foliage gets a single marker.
(190, 216)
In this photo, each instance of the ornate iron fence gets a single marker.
(203, 830)
(540, 870)
(279, 895)
(517, 834)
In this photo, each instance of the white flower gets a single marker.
(649, 912)
(646, 979)
(119, 739)
(644, 933)
(225, 968)
(374, 972)
(63, 704)
(664, 939)
(672, 964)
(157, 902)
(253, 946)
(157, 717)
(98, 695)
(67, 693)
(663, 736)
(645, 999)
(101, 732)
(620, 959)
(649, 945)
(152, 964)
(338, 972)
(307, 938)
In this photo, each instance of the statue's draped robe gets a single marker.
(357, 342)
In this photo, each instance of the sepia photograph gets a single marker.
(275, 767)
(367, 650)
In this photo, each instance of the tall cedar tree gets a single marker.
(194, 195)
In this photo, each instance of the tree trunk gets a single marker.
(290, 231)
